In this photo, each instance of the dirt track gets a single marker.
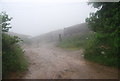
(50, 62)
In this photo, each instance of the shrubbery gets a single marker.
(105, 44)
(13, 59)
(100, 49)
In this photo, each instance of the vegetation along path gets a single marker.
(50, 62)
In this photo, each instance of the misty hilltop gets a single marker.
(53, 36)
(79, 29)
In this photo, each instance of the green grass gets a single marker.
(74, 43)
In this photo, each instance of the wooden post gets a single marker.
(60, 38)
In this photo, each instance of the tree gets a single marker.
(5, 22)
(106, 19)
(105, 22)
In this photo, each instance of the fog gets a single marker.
(34, 17)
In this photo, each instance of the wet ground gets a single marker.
(50, 62)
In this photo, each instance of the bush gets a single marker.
(104, 48)
(101, 49)
(13, 59)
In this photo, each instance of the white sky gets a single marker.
(35, 17)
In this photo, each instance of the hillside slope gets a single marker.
(79, 29)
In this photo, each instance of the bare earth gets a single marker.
(50, 62)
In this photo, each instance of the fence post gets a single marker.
(60, 38)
